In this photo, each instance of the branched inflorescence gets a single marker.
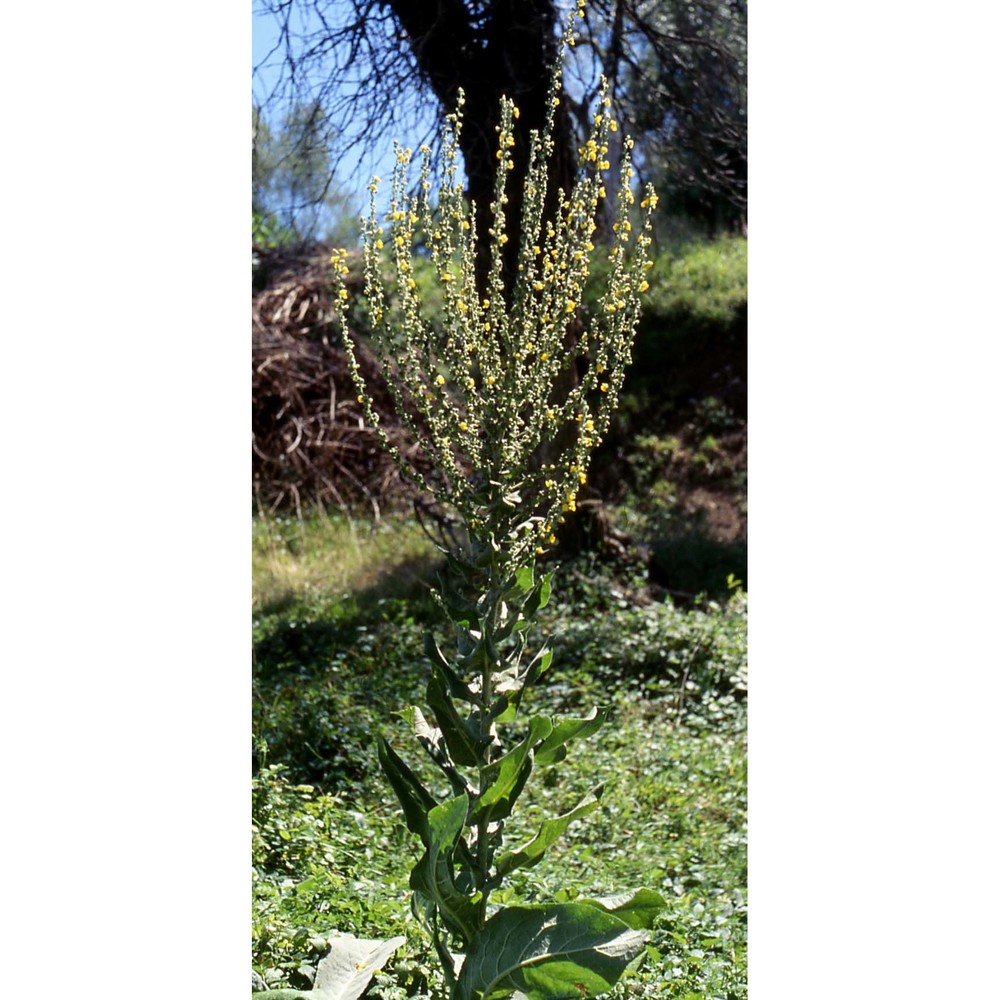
(487, 386)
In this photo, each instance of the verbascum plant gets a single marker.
(495, 389)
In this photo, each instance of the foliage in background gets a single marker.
(295, 196)
(683, 81)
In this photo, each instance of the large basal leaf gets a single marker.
(555, 952)
(346, 970)
(638, 908)
(550, 831)
(433, 876)
(553, 748)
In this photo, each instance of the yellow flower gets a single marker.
(343, 294)
(439, 380)
(604, 387)
(463, 426)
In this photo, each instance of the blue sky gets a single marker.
(352, 174)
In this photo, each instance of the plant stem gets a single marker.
(489, 627)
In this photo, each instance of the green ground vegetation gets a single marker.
(340, 609)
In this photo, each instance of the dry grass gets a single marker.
(324, 556)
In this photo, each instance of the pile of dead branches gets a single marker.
(311, 445)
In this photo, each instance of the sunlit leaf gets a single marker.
(551, 829)
(555, 952)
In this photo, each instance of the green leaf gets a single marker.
(638, 908)
(433, 875)
(413, 797)
(461, 744)
(551, 829)
(522, 582)
(539, 598)
(553, 749)
(459, 609)
(504, 778)
(538, 666)
(558, 951)
(457, 687)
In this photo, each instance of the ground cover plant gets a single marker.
(329, 849)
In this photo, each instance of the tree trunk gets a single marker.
(509, 54)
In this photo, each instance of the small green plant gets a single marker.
(497, 391)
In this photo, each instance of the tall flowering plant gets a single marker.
(486, 390)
